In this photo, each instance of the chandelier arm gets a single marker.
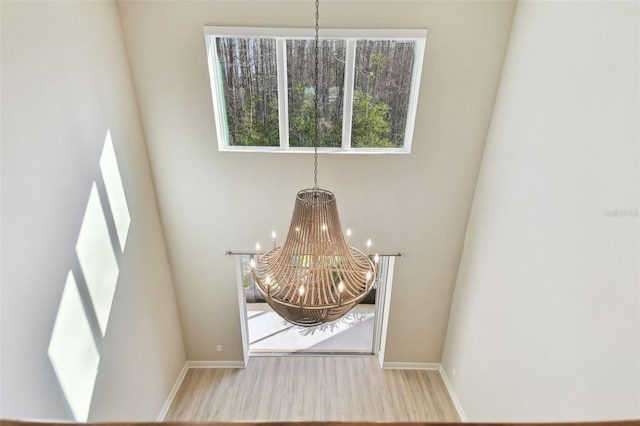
(270, 261)
(332, 295)
(332, 290)
(305, 296)
(350, 289)
(277, 267)
(278, 293)
(345, 303)
(318, 295)
(315, 294)
(326, 284)
(319, 306)
(356, 281)
(359, 291)
(288, 290)
(353, 291)
(310, 293)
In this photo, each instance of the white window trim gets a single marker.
(281, 35)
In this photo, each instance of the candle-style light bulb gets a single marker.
(252, 263)
(324, 226)
(368, 246)
(258, 247)
(267, 281)
(369, 275)
(273, 235)
(348, 235)
(301, 290)
(340, 287)
(376, 258)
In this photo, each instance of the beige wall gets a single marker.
(545, 322)
(418, 204)
(65, 82)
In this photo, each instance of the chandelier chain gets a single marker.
(314, 277)
(315, 90)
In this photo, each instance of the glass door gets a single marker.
(357, 332)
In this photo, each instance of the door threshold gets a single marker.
(310, 353)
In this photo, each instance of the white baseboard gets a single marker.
(452, 394)
(242, 364)
(443, 374)
(411, 365)
(172, 394)
(215, 364)
(194, 364)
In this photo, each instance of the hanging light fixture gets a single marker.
(314, 276)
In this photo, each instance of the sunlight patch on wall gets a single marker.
(85, 308)
(73, 352)
(97, 259)
(115, 190)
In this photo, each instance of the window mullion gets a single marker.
(413, 97)
(349, 81)
(217, 95)
(283, 107)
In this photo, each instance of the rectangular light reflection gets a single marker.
(73, 352)
(115, 190)
(97, 259)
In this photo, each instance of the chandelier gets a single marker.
(314, 276)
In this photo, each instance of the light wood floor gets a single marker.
(312, 389)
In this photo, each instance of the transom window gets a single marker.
(263, 88)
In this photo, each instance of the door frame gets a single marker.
(381, 317)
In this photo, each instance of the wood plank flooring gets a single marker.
(312, 389)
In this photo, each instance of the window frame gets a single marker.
(281, 35)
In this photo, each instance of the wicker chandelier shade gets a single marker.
(314, 277)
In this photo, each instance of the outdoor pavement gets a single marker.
(268, 332)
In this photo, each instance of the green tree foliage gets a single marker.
(302, 120)
(250, 89)
(302, 92)
(249, 77)
(383, 73)
(371, 126)
(253, 130)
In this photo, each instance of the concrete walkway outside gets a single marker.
(268, 332)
